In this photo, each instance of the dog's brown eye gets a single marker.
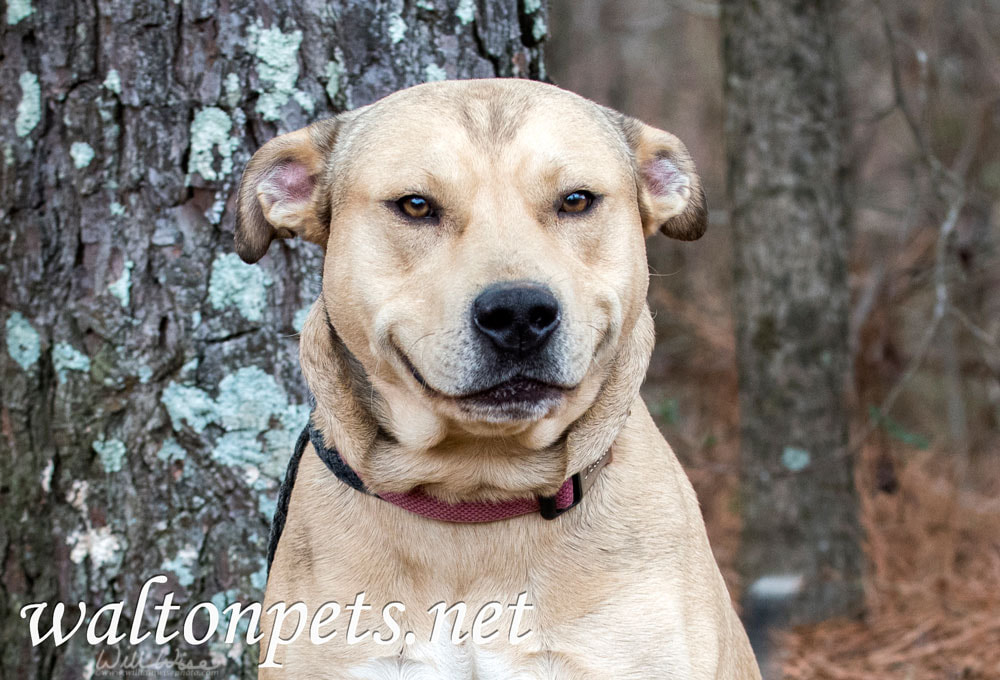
(577, 202)
(415, 206)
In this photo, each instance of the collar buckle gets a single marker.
(547, 506)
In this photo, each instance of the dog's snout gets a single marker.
(516, 317)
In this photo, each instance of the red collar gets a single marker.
(549, 507)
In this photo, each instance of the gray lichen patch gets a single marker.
(250, 405)
(81, 153)
(217, 209)
(795, 459)
(279, 441)
(305, 101)
(247, 400)
(433, 72)
(234, 93)
(299, 319)
(334, 70)
(67, 358)
(539, 29)
(210, 131)
(240, 405)
(336, 82)
(246, 416)
(466, 11)
(112, 454)
(277, 56)
(188, 404)
(183, 565)
(397, 28)
(17, 10)
(171, 451)
(113, 82)
(234, 283)
(23, 343)
(121, 288)
(101, 545)
(239, 448)
(45, 478)
(29, 109)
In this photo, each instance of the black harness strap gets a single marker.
(333, 462)
(284, 496)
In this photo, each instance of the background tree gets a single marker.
(151, 390)
(784, 130)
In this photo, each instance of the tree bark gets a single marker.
(151, 391)
(784, 142)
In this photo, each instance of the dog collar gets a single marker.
(549, 507)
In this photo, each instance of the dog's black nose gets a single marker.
(515, 316)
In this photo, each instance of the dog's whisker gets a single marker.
(422, 337)
(371, 384)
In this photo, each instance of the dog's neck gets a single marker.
(355, 419)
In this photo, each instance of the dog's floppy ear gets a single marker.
(278, 196)
(671, 198)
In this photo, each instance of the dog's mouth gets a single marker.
(516, 398)
(518, 390)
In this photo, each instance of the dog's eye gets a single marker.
(577, 202)
(415, 206)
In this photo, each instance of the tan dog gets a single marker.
(481, 335)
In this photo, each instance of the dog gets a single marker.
(478, 446)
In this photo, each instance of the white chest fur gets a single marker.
(444, 659)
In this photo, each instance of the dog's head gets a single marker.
(485, 253)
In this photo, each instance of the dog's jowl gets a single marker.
(481, 493)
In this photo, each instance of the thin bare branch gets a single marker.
(948, 186)
(978, 333)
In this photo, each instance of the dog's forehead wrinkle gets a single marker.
(492, 119)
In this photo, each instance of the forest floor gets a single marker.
(933, 590)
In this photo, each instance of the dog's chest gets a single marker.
(433, 661)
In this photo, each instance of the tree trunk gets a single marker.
(151, 391)
(801, 544)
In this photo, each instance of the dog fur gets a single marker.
(622, 586)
